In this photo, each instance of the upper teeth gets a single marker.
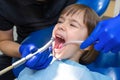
(60, 36)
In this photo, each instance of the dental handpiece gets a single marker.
(23, 60)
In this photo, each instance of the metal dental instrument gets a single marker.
(72, 42)
(23, 60)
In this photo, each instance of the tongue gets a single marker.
(60, 45)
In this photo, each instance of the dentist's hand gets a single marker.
(106, 36)
(37, 62)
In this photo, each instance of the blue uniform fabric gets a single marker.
(62, 70)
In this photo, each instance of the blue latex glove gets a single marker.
(39, 61)
(32, 43)
(106, 36)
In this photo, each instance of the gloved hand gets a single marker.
(39, 61)
(106, 36)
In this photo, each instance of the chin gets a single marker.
(58, 56)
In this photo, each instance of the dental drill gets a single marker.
(23, 60)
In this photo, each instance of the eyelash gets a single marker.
(72, 25)
(59, 22)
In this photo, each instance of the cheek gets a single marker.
(83, 34)
(53, 32)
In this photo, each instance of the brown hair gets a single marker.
(90, 20)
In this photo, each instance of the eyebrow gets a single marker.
(61, 17)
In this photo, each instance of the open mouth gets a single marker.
(59, 41)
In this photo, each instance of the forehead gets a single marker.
(78, 15)
(72, 11)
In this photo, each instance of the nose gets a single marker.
(61, 27)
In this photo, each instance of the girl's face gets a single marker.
(67, 29)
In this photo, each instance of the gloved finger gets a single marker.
(27, 49)
(34, 60)
(24, 50)
(45, 64)
(34, 49)
(24, 53)
(92, 38)
(108, 47)
(102, 41)
(50, 49)
(44, 57)
(38, 59)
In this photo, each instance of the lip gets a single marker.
(59, 41)
(58, 44)
(57, 52)
(59, 35)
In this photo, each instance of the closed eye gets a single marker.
(73, 25)
(60, 21)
